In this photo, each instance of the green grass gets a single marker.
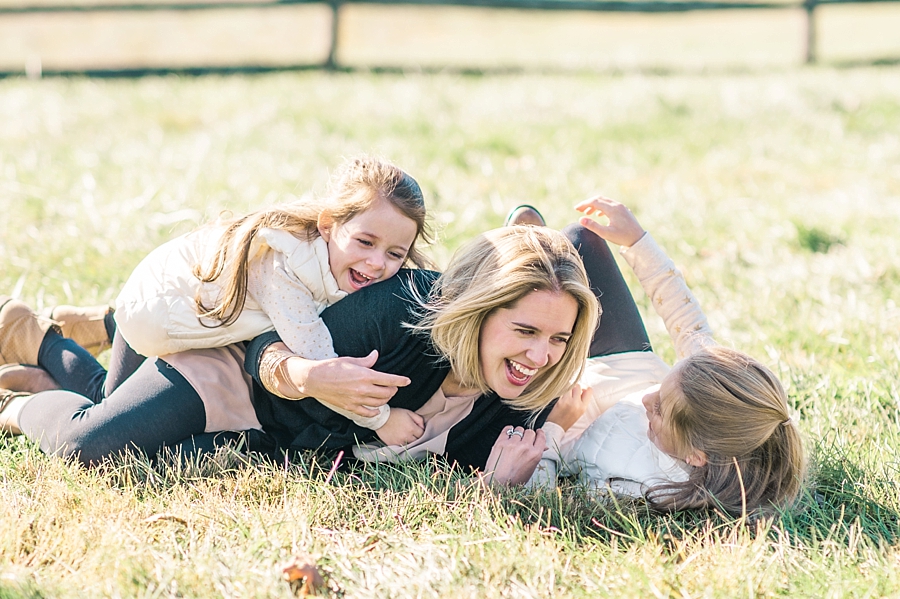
(778, 195)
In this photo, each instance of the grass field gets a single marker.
(778, 194)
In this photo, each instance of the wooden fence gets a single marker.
(620, 6)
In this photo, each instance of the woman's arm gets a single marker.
(370, 319)
(348, 383)
(286, 282)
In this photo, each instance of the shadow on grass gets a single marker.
(847, 503)
(843, 503)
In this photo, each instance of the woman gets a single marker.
(512, 318)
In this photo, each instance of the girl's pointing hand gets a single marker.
(623, 228)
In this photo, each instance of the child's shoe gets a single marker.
(86, 325)
(21, 332)
(9, 424)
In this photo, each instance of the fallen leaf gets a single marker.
(303, 576)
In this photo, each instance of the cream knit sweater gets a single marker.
(610, 449)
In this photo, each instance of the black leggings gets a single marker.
(153, 408)
(621, 327)
(76, 370)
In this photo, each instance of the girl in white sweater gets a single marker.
(712, 431)
(277, 268)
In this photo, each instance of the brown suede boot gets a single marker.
(83, 325)
(21, 332)
(9, 424)
(27, 379)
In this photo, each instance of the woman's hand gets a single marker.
(348, 383)
(571, 406)
(623, 228)
(514, 457)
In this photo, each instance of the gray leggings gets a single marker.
(153, 408)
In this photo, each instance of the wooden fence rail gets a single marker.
(656, 6)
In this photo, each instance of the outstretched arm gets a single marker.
(348, 383)
(661, 280)
(623, 227)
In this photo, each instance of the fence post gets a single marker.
(810, 7)
(331, 61)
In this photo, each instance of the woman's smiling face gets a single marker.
(518, 342)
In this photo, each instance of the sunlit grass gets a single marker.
(777, 194)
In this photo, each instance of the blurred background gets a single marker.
(107, 37)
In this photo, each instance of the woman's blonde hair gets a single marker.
(495, 270)
(358, 185)
(734, 410)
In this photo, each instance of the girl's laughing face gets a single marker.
(370, 247)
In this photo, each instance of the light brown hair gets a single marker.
(734, 410)
(495, 270)
(355, 187)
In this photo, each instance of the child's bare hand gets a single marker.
(623, 228)
(571, 406)
(402, 427)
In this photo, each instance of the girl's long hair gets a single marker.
(734, 410)
(356, 186)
